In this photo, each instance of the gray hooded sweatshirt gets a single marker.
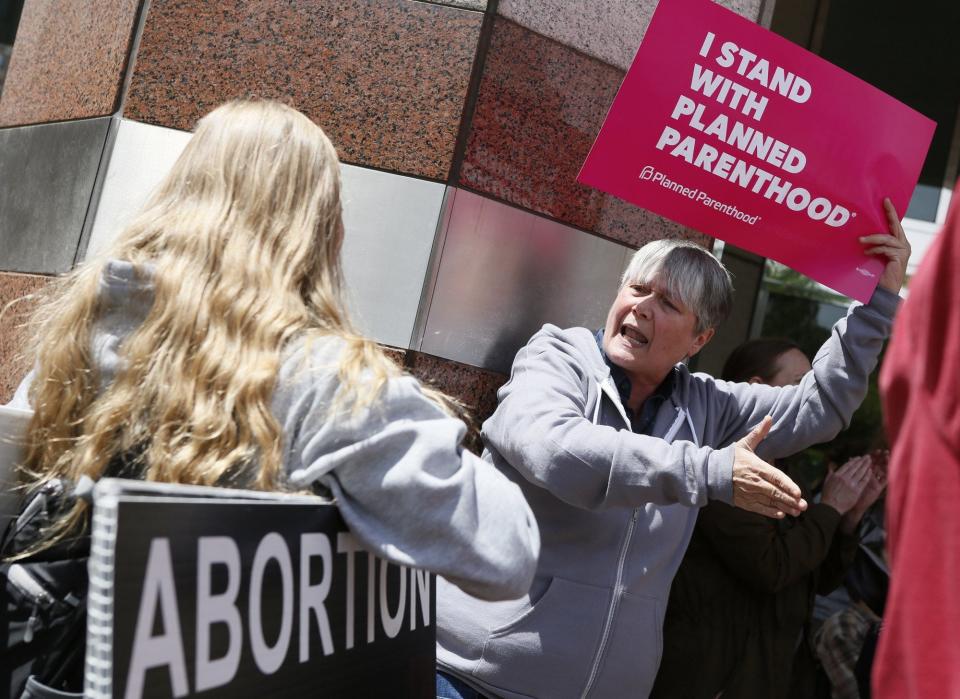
(404, 486)
(616, 509)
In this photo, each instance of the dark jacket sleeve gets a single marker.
(763, 555)
(838, 562)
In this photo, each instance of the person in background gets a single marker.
(210, 345)
(616, 446)
(742, 598)
(918, 654)
(847, 621)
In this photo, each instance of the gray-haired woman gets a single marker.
(615, 445)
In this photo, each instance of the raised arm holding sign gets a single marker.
(894, 247)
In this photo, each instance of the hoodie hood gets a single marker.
(126, 296)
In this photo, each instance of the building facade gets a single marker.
(461, 126)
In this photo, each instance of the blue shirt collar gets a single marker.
(622, 382)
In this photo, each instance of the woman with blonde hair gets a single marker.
(209, 345)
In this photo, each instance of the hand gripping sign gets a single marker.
(727, 128)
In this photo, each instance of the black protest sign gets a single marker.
(253, 599)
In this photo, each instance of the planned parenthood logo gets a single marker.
(650, 173)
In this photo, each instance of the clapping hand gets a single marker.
(875, 484)
(843, 487)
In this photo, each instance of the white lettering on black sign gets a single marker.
(223, 613)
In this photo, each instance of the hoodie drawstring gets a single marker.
(682, 415)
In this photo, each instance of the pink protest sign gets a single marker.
(732, 130)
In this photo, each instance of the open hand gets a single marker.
(760, 487)
(894, 247)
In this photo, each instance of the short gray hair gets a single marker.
(687, 272)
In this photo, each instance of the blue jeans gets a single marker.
(449, 687)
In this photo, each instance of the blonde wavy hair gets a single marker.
(242, 244)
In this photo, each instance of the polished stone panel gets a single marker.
(479, 5)
(68, 60)
(397, 355)
(540, 107)
(748, 9)
(15, 356)
(48, 173)
(386, 79)
(504, 272)
(141, 157)
(610, 30)
(475, 388)
(390, 222)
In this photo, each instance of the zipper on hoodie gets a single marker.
(614, 603)
(606, 387)
(621, 561)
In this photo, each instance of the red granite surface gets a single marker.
(610, 30)
(475, 388)
(14, 359)
(540, 106)
(386, 79)
(68, 60)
